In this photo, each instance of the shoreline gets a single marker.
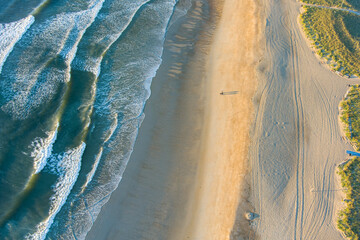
(168, 186)
(150, 200)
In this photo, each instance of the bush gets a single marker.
(351, 4)
(349, 218)
(336, 36)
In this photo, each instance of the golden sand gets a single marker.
(231, 67)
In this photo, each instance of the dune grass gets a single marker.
(349, 218)
(350, 4)
(335, 36)
(350, 115)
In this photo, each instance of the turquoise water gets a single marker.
(74, 79)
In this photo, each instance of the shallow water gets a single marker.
(74, 78)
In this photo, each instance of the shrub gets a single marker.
(336, 36)
(349, 218)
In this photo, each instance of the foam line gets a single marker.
(67, 165)
(42, 150)
(10, 33)
(93, 64)
(33, 81)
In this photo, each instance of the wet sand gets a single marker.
(188, 177)
(150, 200)
(187, 173)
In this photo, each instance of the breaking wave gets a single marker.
(67, 165)
(42, 150)
(89, 65)
(10, 33)
(42, 61)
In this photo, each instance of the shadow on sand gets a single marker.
(229, 93)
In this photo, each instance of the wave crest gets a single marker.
(67, 165)
(10, 33)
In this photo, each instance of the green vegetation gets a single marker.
(350, 115)
(336, 37)
(348, 221)
(349, 218)
(351, 4)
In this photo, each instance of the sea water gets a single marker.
(74, 79)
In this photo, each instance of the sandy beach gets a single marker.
(221, 183)
(297, 138)
(187, 172)
(242, 118)
(203, 159)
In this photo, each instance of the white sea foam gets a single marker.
(91, 174)
(42, 150)
(116, 24)
(112, 127)
(109, 134)
(81, 22)
(10, 33)
(121, 90)
(33, 82)
(181, 10)
(67, 165)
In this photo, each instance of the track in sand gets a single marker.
(297, 139)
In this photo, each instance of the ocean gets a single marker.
(74, 79)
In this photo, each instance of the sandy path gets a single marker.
(232, 67)
(297, 141)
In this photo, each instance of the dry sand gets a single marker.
(297, 142)
(186, 174)
(221, 180)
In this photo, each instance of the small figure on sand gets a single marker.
(229, 93)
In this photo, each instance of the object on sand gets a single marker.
(352, 153)
(251, 216)
(229, 93)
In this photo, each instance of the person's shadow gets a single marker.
(229, 93)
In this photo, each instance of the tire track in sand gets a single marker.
(297, 137)
(300, 121)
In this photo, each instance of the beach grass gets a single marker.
(350, 4)
(350, 115)
(336, 37)
(349, 217)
